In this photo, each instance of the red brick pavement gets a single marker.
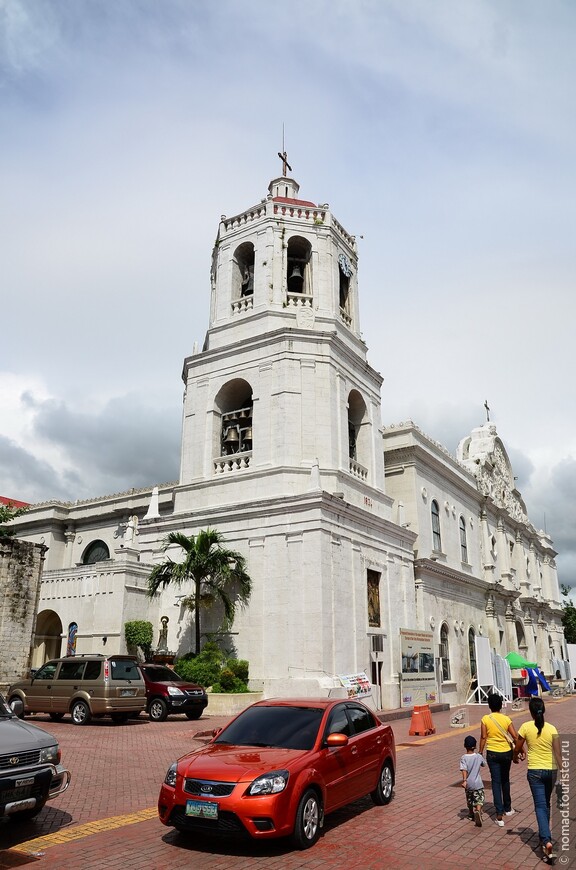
(117, 771)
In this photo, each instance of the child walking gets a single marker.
(470, 765)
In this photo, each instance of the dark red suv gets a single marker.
(167, 693)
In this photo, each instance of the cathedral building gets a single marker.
(350, 532)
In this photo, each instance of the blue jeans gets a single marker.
(499, 764)
(541, 784)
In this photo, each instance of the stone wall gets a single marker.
(21, 564)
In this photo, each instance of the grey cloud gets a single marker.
(126, 444)
(27, 478)
(553, 498)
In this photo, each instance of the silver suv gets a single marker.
(30, 769)
(85, 686)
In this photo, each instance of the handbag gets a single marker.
(505, 733)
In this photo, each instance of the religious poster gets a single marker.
(356, 685)
(418, 672)
(71, 642)
(373, 599)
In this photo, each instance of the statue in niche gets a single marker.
(163, 638)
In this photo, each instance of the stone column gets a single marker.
(485, 543)
(492, 623)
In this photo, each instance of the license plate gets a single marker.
(15, 794)
(202, 809)
(127, 693)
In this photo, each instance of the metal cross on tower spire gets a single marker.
(285, 165)
(283, 156)
(487, 410)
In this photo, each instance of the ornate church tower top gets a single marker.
(285, 262)
(283, 385)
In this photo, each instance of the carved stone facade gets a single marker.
(481, 567)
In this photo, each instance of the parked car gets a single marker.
(30, 769)
(85, 686)
(278, 768)
(166, 693)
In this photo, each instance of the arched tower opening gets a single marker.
(298, 267)
(234, 405)
(243, 271)
(358, 435)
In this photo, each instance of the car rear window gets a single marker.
(124, 669)
(282, 727)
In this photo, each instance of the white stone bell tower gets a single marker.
(282, 450)
(283, 380)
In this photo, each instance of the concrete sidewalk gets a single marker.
(107, 819)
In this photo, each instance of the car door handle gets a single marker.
(354, 750)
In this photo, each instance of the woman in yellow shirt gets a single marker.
(544, 759)
(497, 734)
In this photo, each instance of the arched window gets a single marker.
(463, 542)
(234, 402)
(97, 551)
(445, 652)
(344, 278)
(298, 278)
(436, 537)
(472, 653)
(243, 271)
(521, 637)
(358, 435)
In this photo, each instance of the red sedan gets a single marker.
(278, 768)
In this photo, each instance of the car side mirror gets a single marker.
(216, 732)
(335, 740)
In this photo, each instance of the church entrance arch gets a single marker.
(48, 638)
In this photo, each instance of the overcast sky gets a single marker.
(442, 132)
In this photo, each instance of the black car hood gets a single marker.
(17, 736)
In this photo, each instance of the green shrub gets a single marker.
(227, 679)
(237, 686)
(139, 633)
(204, 668)
(239, 668)
(210, 668)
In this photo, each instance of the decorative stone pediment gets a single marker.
(484, 455)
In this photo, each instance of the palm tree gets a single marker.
(218, 574)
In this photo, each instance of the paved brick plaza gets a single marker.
(107, 818)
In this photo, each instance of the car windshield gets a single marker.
(161, 675)
(281, 727)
